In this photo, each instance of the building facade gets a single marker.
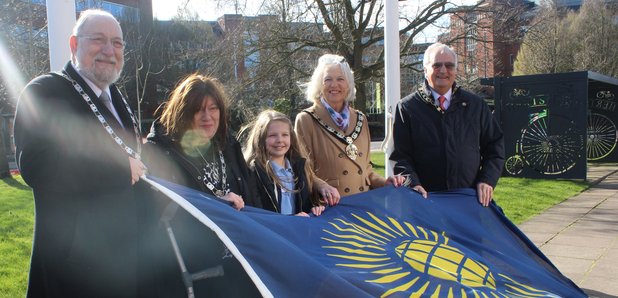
(487, 37)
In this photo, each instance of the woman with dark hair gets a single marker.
(189, 143)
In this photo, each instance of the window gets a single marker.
(471, 40)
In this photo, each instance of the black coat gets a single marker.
(200, 247)
(442, 150)
(266, 188)
(85, 225)
(165, 159)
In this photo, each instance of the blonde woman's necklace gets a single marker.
(211, 175)
(350, 150)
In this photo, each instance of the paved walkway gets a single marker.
(580, 235)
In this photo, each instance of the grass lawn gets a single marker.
(16, 227)
(520, 198)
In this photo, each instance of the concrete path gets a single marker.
(580, 235)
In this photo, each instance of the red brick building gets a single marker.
(487, 37)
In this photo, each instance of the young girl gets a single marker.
(286, 182)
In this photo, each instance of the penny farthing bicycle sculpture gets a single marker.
(549, 147)
(602, 134)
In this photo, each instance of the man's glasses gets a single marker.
(101, 40)
(448, 65)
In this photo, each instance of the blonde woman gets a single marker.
(335, 135)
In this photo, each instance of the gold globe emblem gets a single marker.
(400, 256)
(445, 262)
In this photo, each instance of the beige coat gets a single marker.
(328, 156)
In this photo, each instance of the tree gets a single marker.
(298, 31)
(563, 41)
(139, 68)
(24, 33)
(186, 45)
(486, 37)
(597, 32)
(301, 30)
(23, 38)
(4, 163)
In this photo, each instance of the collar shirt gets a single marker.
(97, 91)
(286, 176)
(448, 96)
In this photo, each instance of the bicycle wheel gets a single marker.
(602, 136)
(551, 148)
(514, 165)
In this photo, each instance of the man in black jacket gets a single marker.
(445, 137)
(77, 147)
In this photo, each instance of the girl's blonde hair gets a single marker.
(256, 152)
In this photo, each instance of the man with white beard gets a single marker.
(78, 148)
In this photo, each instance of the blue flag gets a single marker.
(385, 242)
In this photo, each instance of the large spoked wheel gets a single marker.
(602, 136)
(551, 149)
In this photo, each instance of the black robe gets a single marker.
(85, 224)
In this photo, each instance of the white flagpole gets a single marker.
(392, 77)
(60, 21)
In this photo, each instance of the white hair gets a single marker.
(437, 48)
(86, 15)
(313, 88)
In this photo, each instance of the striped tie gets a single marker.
(442, 99)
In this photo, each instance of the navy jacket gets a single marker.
(442, 150)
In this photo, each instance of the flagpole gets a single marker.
(60, 21)
(392, 78)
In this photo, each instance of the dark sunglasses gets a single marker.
(448, 65)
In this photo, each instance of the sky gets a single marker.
(208, 10)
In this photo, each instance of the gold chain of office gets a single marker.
(350, 150)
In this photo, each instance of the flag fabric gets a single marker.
(388, 242)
